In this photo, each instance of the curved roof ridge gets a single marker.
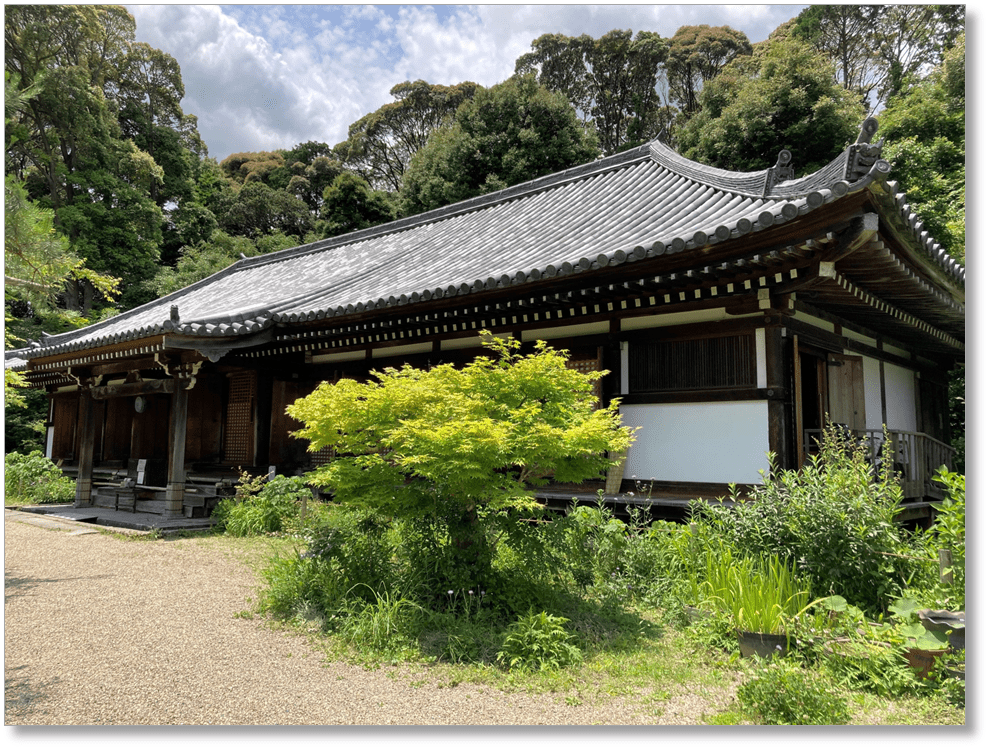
(752, 184)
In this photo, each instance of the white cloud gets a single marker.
(271, 76)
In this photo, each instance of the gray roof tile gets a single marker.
(646, 201)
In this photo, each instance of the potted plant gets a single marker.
(923, 646)
(763, 598)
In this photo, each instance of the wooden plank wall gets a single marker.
(65, 417)
(285, 451)
(149, 436)
(204, 434)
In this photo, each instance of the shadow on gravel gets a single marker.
(21, 696)
(15, 587)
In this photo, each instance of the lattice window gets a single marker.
(321, 457)
(699, 364)
(238, 435)
(585, 366)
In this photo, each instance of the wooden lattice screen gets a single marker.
(321, 457)
(699, 364)
(238, 434)
(588, 365)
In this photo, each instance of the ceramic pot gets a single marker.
(945, 621)
(922, 661)
(763, 644)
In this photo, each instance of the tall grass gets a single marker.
(758, 594)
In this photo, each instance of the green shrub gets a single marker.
(347, 560)
(265, 512)
(947, 532)
(538, 642)
(34, 479)
(869, 665)
(783, 694)
(835, 518)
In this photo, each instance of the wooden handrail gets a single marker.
(917, 456)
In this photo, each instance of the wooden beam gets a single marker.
(130, 389)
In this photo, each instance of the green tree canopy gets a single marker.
(350, 204)
(252, 166)
(877, 49)
(507, 134)
(105, 144)
(259, 209)
(783, 96)
(460, 444)
(696, 55)
(380, 145)
(924, 131)
(611, 82)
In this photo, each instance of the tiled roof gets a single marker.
(645, 202)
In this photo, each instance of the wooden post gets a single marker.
(944, 562)
(798, 404)
(175, 490)
(777, 390)
(87, 439)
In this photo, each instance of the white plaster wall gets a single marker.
(901, 402)
(674, 318)
(704, 442)
(815, 321)
(450, 344)
(50, 436)
(873, 393)
(565, 331)
(852, 335)
(406, 350)
(340, 356)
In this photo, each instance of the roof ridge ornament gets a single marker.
(779, 173)
(863, 154)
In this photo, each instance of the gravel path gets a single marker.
(101, 631)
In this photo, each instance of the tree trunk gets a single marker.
(471, 550)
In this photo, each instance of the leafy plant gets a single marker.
(759, 595)
(835, 519)
(538, 641)
(34, 479)
(937, 588)
(248, 514)
(386, 624)
(783, 694)
(912, 631)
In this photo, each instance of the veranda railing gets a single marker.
(916, 457)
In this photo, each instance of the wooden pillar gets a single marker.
(778, 388)
(87, 440)
(262, 420)
(175, 490)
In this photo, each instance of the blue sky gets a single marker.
(261, 77)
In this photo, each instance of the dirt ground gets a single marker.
(102, 631)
